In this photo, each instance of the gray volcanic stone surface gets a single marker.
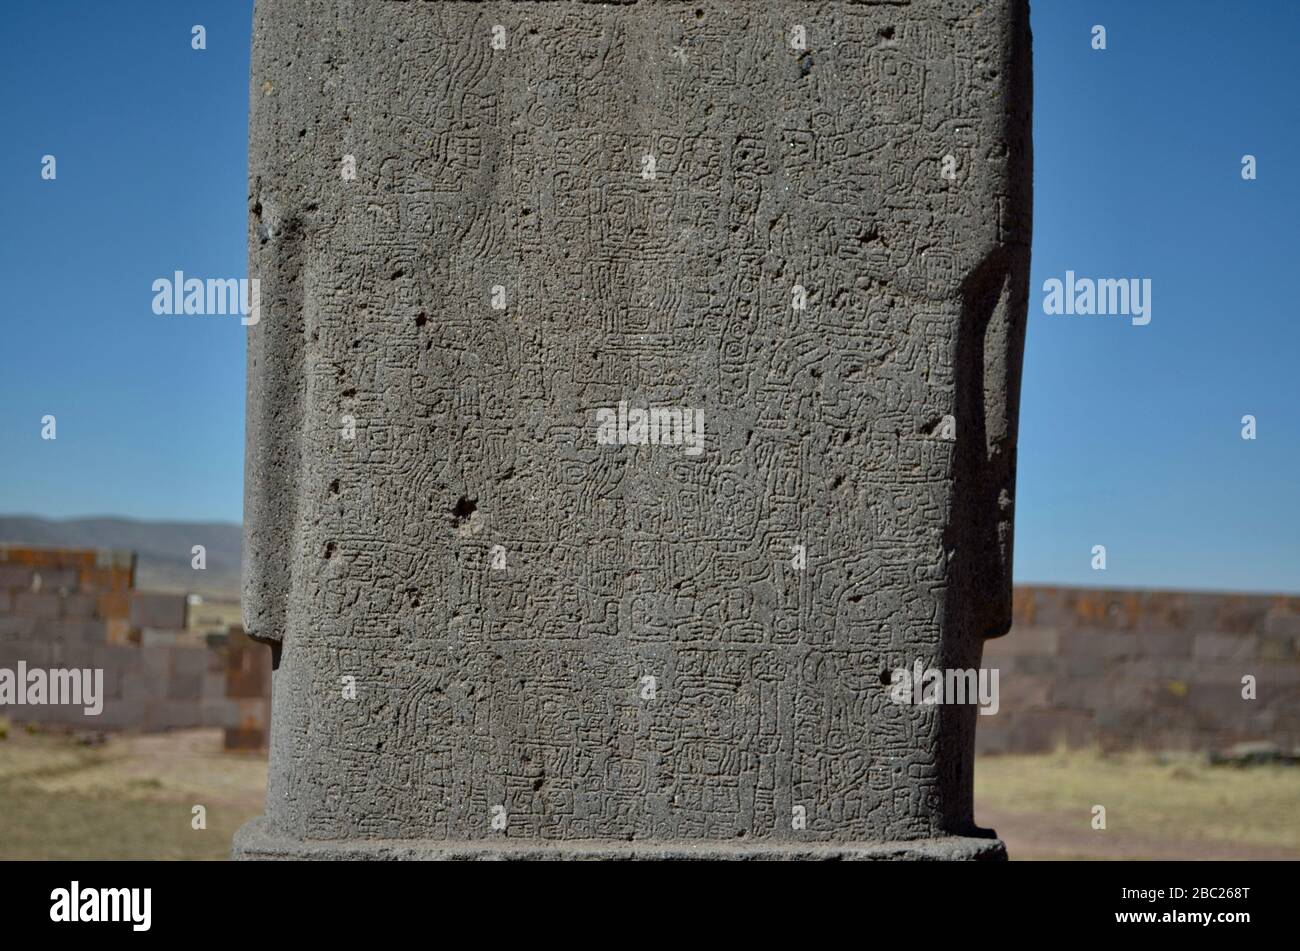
(490, 236)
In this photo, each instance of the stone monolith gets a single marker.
(634, 393)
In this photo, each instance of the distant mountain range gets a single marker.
(163, 549)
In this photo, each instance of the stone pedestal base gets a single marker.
(257, 840)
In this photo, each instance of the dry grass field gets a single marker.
(1158, 806)
(132, 797)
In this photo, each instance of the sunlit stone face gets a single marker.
(634, 389)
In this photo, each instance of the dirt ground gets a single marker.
(134, 797)
(131, 798)
(1157, 806)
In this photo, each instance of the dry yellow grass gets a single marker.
(1157, 806)
(130, 798)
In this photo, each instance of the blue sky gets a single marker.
(1130, 436)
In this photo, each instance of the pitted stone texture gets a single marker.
(256, 840)
(520, 690)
